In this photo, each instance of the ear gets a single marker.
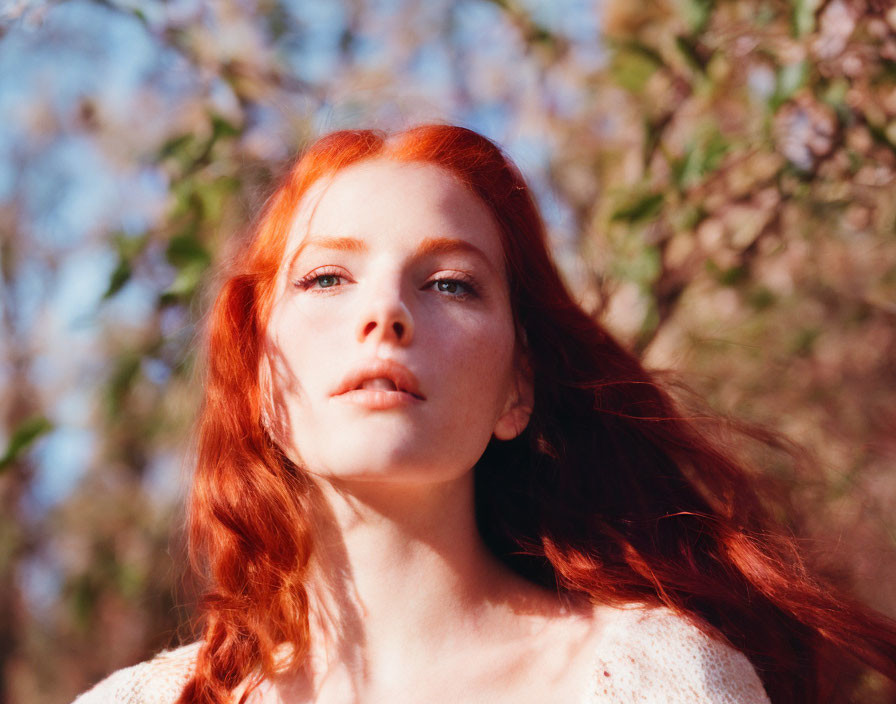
(518, 409)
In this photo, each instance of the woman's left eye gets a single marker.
(455, 288)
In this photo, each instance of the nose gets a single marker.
(386, 320)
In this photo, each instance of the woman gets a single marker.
(424, 474)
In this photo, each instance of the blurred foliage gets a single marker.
(720, 175)
(23, 436)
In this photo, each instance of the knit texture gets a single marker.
(156, 681)
(654, 656)
(648, 656)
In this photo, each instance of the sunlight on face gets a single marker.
(391, 342)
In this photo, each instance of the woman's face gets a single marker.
(391, 343)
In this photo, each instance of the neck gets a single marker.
(402, 577)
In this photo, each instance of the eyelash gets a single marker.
(466, 282)
(307, 283)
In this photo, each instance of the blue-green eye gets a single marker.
(315, 281)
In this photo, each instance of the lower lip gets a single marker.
(379, 400)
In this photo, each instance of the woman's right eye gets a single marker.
(317, 280)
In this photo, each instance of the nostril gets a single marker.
(396, 329)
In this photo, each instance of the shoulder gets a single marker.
(156, 681)
(655, 655)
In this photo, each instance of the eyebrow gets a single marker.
(429, 247)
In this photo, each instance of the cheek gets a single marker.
(477, 355)
(300, 349)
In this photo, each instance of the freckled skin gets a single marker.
(444, 314)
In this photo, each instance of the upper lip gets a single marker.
(398, 374)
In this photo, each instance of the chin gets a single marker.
(386, 465)
(392, 469)
(385, 454)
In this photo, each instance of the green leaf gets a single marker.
(176, 147)
(804, 17)
(887, 69)
(761, 298)
(119, 278)
(881, 135)
(765, 14)
(185, 283)
(23, 437)
(191, 259)
(222, 127)
(733, 275)
(644, 207)
(185, 201)
(185, 249)
(691, 53)
(699, 160)
(687, 218)
(834, 93)
(213, 196)
(539, 34)
(633, 64)
(804, 341)
(716, 147)
(120, 382)
(83, 596)
(129, 581)
(729, 276)
(129, 248)
(697, 13)
(789, 80)
(278, 22)
(638, 262)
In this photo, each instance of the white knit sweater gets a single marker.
(650, 656)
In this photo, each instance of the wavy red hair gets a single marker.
(611, 491)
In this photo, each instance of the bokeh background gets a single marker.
(717, 176)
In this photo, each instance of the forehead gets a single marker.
(387, 202)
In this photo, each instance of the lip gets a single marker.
(406, 392)
(378, 400)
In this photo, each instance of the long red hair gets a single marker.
(611, 491)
